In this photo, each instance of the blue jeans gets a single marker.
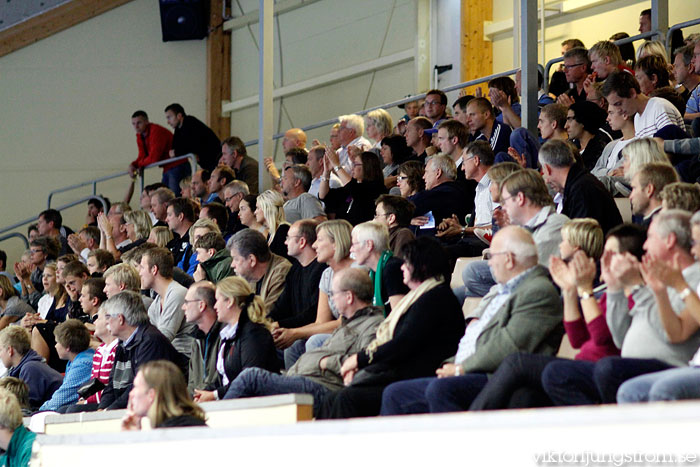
(316, 341)
(434, 395)
(293, 352)
(570, 382)
(172, 177)
(668, 385)
(477, 279)
(258, 382)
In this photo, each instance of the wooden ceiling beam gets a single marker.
(52, 21)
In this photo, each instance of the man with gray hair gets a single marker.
(317, 371)
(234, 192)
(580, 194)
(370, 248)
(254, 262)
(442, 198)
(352, 127)
(139, 342)
(300, 204)
(657, 333)
(521, 313)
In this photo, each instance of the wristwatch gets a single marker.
(336, 168)
(685, 293)
(585, 295)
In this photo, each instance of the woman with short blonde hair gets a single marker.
(140, 223)
(160, 236)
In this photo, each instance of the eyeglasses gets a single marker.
(568, 67)
(334, 292)
(402, 177)
(488, 255)
(432, 103)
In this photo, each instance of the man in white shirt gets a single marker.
(352, 127)
(651, 114)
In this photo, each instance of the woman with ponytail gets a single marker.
(245, 339)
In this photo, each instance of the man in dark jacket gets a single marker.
(139, 342)
(582, 194)
(192, 136)
(199, 310)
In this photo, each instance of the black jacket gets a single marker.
(443, 200)
(425, 336)
(197, 138)
(147, 344)
(586, 196)
(251, 347)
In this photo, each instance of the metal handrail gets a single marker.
(193, 163)
(18, 235)
(675, 27)
(626, 40)
(405, 100)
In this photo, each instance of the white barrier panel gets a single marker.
(643, 434)
(271, 410)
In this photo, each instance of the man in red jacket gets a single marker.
(154, 143)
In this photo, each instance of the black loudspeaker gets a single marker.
(183, 20)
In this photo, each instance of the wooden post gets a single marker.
(477, 53)
(218, 71)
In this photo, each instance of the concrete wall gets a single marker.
(67, 103)
(323, 37)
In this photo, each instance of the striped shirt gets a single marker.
(657, 114)
(102, 363)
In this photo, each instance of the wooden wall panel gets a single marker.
(477, 53)
(218, 71)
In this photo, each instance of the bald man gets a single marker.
(521, 313)
(294, 138)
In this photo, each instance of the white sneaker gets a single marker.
(485, 235)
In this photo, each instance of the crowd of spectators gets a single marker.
(336, 280)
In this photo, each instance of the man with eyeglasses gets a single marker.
(435, 105)
(317, 371)
(234, 192)
(526, 203)
(522, 313)
(576, 66)
(199, 310)
(296, 306)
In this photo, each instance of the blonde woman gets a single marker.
(160, 393)
(245, 339)
(640, 152)
(378, 125)
(269, 212)
(160, 236)
(138, 226)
